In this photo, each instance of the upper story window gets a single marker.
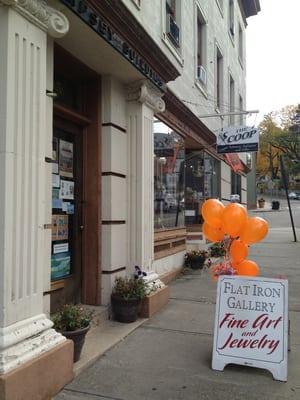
(231, 25)
(241, 44)
(201, 48)
(173, 21)
(241, 105)
(219, 79)
(231, 100)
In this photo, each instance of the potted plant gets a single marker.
(195, 259)
(126, 298)
(261, 203)
(217, 250)
(73, 321)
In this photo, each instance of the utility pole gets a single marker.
(284, 179)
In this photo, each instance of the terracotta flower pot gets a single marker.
(125, 310)
(78, 338)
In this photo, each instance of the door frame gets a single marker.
(90, 121)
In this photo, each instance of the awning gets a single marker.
(236, 164)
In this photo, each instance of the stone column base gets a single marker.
(40, 378)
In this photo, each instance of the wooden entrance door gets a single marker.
(67, 212)
(77, 123)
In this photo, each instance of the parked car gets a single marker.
(294, 195)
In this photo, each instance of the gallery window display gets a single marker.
(202, 181)
(169, 154)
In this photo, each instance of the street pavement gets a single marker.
(169, 356)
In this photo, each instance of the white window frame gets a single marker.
(174, 50)
(220, 4)
(231, 97)
(231, 20)
(241, 45)
(199, 15)
(218, 51)
(241, 108)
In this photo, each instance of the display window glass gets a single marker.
(169, 177)
(202, 181)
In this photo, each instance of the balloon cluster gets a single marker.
(233, 226)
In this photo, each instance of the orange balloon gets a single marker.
(212, 211)
(233, 219)
(248, 268)
(255, 230)
(212, 234)
(238, 251)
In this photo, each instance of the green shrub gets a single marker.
(217, 250)
(130, 288)
(71, 317)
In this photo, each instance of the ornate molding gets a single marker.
(144, 92)
(54, 22)
(26, 340)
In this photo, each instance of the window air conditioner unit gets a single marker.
(201, 74)
(173, 30)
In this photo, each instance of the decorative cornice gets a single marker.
(144, 92)
(39, 13)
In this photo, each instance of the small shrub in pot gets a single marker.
(126, 297)
(73, 321)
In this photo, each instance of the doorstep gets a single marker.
(101, 338)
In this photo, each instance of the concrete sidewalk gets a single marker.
(169, 356)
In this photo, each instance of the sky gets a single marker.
(273, 57)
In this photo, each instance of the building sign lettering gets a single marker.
(102, 28)
(237, 139)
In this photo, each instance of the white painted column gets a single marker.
(25, 332)
(114, 180)
(143, 100)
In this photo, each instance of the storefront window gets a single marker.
(202, 179)
(169, 156)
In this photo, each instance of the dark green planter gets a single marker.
(125, 310)
(197, 262)
(78, 338)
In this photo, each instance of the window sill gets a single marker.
(201, 87)
(172, 49)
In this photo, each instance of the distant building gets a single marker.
(105, 159)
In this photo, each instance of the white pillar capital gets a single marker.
(54, 22)
(145, 92)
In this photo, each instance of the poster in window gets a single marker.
(66, 156)
(66, 190)
(55, 181)
(56, 201)
(54, 149)
(60, 227)
(60, 265)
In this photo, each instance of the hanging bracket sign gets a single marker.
(237, 139)
(251, 324)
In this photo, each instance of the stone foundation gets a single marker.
(41, 378)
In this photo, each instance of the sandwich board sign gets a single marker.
(251, 324)
(237, 139)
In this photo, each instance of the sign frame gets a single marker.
(232, 140)
(231, 350)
